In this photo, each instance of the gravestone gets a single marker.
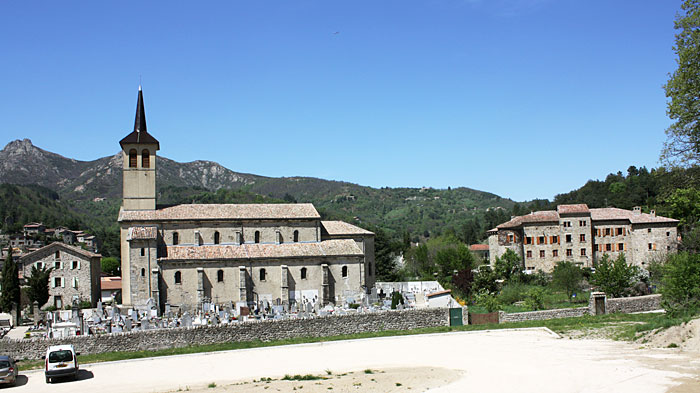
(144, 324)
(186, 320)
(127, 324)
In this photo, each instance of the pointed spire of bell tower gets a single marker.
(140, 122)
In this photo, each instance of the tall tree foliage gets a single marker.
(10, 284)
(682, 147)
(567, 277)
(38, 282)
(680, 284)
(614, 277)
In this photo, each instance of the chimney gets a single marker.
(653, 213)
(637, 209)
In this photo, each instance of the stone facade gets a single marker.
(151, 340)
(581, 235)
(186, 254)
(75, 274)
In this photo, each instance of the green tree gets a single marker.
(680, 284)
(682, 146)
(385, 252)
(453, 259)
(485, 280)
(10, 284)
(111, 266)
(38, 283)
(614, 277)
(508, 266)
(567, 276)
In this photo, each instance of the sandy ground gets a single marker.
(528, 360)
(369, 380)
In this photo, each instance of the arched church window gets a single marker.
(132, 158)
(303, 273)
(145, 159)
(176, 239)
(262, 274)
(220, 276)
(257, 236)
(178, 277)
(296, 236)
(345, 271)
(217, 238)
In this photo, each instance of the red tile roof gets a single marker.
(572, 209)
(227, 211)
(479, 247)
(110, 283)
(326, 248)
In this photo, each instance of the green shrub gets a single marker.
(680, 284)
(488, 300)
(535, 298)
(513, 292)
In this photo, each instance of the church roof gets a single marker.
(140, 135)
(326, 248)
(142, 233)
(341, 228)
(281, 211)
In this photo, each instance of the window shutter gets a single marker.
(63, 282)
(53, 283)
(78, 265)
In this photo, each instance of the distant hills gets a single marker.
(80, 186)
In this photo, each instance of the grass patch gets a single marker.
(557, 325)
(369, 371)
(298, 377)
(211, 385)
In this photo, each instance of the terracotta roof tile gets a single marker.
(612, 213)
(338, 228)
(280, 211)
(64, 246)
(142, 233)
(326, 248)
(479, 247)
(572, 209)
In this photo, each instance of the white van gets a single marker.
(61, 361)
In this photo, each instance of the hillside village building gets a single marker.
(581, 235)
(75, 273)
(185, 255)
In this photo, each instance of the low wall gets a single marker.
(248, 331)
(633, 304)
(543, 314)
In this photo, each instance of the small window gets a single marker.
(176, 239)
(143, 272)
(178, 277)
(56, 265)
(510, 238)
(618, 231)
(607, 231)
(528, 240)
(75, 265)
(57, 281)
(132, 158)
(620, 247)
(75, 282)
(648, 230)
(569, 252)
(541, 253)
(143, 252)
(582, 237)
(303, 273)
(296, 236)
(344, 271)
(555, 239)
(257, 236)
(568, 238)
(650, 246)
(217, 238)
(668, 234)
(262, 274)
(583, 252)
(220, 276)
(541, 240)
(608, 247)
(555, 253)
(57, 254)
(145, 159)
(582, 223)
(529, 253)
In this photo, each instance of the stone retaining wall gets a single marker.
(541, 315)
(239, 332)
(633, 304)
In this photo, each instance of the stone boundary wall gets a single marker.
(245, 331)
(543, 314)
(633, 304)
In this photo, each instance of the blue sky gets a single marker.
(523, 98)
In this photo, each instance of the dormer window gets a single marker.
(132, 158)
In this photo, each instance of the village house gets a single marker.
(75, 273)
(189, 254)
(581, 235)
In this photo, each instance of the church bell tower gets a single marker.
(139, 164)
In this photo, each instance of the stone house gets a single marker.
(581, 235)
(75, 274)
(187, 254)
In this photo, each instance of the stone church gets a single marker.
(185, 255)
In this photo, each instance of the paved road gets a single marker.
(530, 360)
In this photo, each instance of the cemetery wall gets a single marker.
(633, 304)
(239, 332)
(541, 315)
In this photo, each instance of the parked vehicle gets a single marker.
(8, 370)
(61, 361)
